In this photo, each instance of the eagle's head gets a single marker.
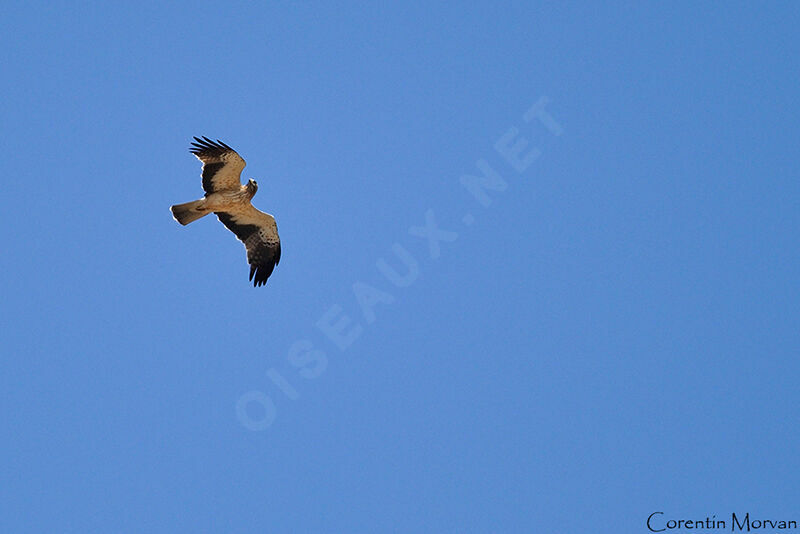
(252, 186)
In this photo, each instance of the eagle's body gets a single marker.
(229, 200)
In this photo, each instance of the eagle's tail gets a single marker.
(189, 212)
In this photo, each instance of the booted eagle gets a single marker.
(229, 200)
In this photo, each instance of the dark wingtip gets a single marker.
(204, 144)
(198, 146)
(260, 275)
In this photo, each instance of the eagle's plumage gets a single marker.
(222, 166)
(258, 232)
(229, 200)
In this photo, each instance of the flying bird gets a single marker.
(229, 200)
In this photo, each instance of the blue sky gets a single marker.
(614, 334)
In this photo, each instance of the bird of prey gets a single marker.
(229, 200)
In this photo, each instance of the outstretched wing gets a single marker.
(222, 166)
(259, 233)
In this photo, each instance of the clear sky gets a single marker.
(539, 273)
